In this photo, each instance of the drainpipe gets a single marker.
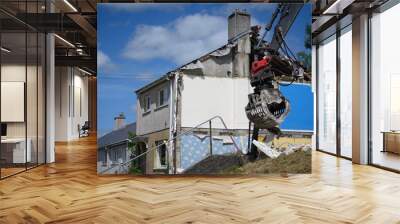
(175, 116)
(171, 159)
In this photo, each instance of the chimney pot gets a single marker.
(119, 121)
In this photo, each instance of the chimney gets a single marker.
(119, 121)
(238, 22)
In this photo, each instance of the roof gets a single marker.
(152, 84)
(116, 135)
(167, 75)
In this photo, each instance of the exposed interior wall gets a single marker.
(220, 66)
(204, 97)
(195, 147)
(71, 102)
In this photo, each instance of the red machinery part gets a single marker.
(257, 66)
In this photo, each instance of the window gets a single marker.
(22, 88)
(162, 97)
(161, 155)
(147, 103)
(346, 92)
(327, 95)
(385, 89)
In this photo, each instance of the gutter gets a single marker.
(153, 83)
(116, 143)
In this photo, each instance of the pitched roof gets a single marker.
(221, 51)
(116, 135)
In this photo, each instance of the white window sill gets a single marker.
(161, 107)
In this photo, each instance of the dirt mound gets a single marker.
(297, 162)
(216, 164)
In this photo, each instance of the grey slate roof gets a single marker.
(117, 135)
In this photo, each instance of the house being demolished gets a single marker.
(216, 84)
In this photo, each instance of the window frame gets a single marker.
(336, 36)
(147, 103)
(164, 96)
(157, 160)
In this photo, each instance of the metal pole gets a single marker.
(174, 152)
(249, 138)
(253, 151)
(211, 148)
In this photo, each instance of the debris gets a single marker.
(276, 152)
(270, 152)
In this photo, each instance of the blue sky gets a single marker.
(132, 49)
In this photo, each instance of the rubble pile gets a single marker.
(275, 152)
(295, 158)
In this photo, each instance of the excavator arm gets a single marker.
(271, 62)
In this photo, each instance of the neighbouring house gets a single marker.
(113, 147)
(216, 84)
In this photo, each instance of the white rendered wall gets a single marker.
(204, 97)
(158, 117)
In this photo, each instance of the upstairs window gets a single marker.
(162, 100)
(147, 103)
(162, 97)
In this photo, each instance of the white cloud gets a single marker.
(181, 41)
(102, 58)
(103, 61)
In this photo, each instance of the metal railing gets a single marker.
(172, 139)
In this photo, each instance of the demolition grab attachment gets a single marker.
(267, 107)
